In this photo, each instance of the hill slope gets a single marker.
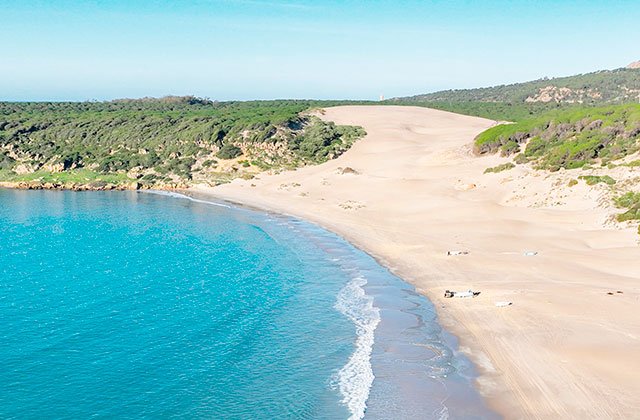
(600, 143)
(167, 141)
(569, 138)
(601, 87)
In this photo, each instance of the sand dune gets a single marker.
(565, 348)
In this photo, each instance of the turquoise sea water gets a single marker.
(130, 305)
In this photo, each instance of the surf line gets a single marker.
(179, 195)
(356, 377)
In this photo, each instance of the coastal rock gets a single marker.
(54, 167)
(94, 186)
(29, 185)
(136, 173)
(24, 168)
(51, 186)
(563, 94)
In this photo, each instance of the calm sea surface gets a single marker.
(130, 305)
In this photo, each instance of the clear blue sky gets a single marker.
(260, 49)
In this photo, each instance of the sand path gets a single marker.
(565, 348)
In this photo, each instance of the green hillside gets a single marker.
(521, 101)
(601, 87)
(570, 138)
(167, 140)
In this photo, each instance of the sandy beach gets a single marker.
(412, 190)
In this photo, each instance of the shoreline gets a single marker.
(86, 186)
(465, 345)
(394, 348)
(416, 192)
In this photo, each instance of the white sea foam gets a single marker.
(178, 195)
(356, 377)
(443, 414)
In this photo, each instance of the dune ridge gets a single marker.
(412, 189)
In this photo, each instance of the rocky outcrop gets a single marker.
(634, 65)
(564, 94)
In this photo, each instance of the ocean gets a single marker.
(156, 305)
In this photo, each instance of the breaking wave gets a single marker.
(356, 377)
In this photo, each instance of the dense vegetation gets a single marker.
(521, 101)
(325, 140)
(166, 139)
(631, 202)
(607, 86)
(568, 138)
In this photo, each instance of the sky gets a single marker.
(265, 49)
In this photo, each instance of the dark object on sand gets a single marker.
(457, 253)
(465, 294)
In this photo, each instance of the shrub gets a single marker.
(520, 159)
(324, 140)
(229, 151)
(596, 179)
(509, 148)
(632, 214)
(627, 200)
(573, 182)
(209, 162)
(500, 168)
(6, 162)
